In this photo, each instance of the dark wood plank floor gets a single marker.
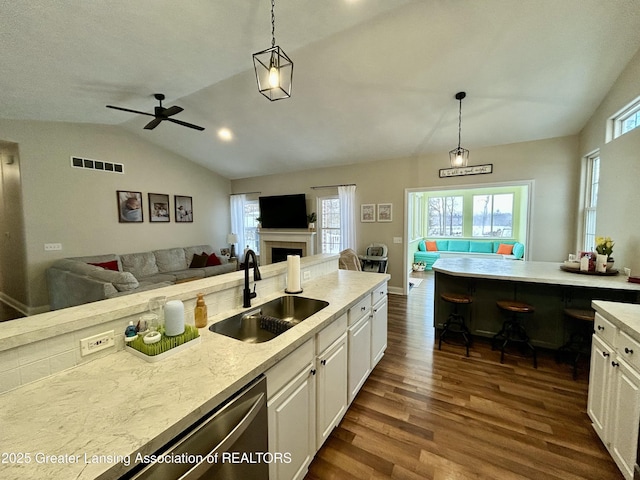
(429, 414)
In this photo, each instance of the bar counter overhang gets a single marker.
(542, 284)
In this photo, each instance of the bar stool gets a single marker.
(512, 330)
(580, 340)
(455, 322)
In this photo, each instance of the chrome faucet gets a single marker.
(247, 294)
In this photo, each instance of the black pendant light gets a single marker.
(459, 156)
(274, 69)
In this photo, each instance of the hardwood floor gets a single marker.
(429, 414)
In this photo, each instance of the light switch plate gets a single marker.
(50, 247)
(397, 239)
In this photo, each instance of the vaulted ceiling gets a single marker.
(373, 79)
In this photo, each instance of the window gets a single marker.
(493, 215)
(251, 235)
(627, 119)
(444, 216)
(329, 224)
(591, 201)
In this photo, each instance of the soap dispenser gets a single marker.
(200, 313)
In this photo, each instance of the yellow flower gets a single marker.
(604, 245)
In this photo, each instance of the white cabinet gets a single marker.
(359, 347)
(614, 392)
(291, 411)
(331, 387)
(378, 329)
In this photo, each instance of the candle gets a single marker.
(173, 318)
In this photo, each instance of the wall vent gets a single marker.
(91, 164)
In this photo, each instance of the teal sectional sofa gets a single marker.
(472, 248)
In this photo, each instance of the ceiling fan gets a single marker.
(160, 113)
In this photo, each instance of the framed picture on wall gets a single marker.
(184, 208)
(385, 212)
(129, 206)
(368, 212)
(159, 207)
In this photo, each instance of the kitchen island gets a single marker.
(90, 421)
(542, 284)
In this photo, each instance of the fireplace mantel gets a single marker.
(285, 238)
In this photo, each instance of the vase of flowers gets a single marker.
(604, 246)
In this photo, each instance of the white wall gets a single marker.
(553, 164)
(78, 207)
(619, 195)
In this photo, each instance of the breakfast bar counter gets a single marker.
(542, 284)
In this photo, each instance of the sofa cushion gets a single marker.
(122, 281)
(505, 249)
(199, 260)
(518, 250)
(189, 274)
(170, 259)
(218, 269)
(421, 246)
(95, 259)
(213, 260)
(158, 278)
(140, 264)
(432, 246)
(189, 252)
(458, 246)
(443, 245)
(481, 247)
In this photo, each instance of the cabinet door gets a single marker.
(359, 355)
(331, 387)
(378, 331)
(600, 376)
(292, 425)
(625, 414)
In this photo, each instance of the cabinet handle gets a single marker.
(323, 362)
(615, 364)
(600, 327)
(605, 354)
(313, 371)
(362, 309)
(628, 350)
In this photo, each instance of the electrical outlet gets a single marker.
(306, 275)
(50, 247)
(96, 343)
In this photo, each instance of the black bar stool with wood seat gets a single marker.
(455, 322)
(512, 330)
(579, 342)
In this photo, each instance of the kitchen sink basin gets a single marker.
(267, 321)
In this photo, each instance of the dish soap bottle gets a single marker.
(200, 313)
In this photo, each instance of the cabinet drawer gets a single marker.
(629, 349)
(379, 293)
(287, 368)
(604, 329)
(331, 333)
(359, 309)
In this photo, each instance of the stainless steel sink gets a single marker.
(269, 320)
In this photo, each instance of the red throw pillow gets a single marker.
(431, 246)
(111, 265)
(505, 249)
(213, 260)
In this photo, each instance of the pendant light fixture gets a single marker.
(459, 156)
(274, 69)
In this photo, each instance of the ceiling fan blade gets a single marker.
(129, 110)
(153, 124)
(185, 124)
(167, 112)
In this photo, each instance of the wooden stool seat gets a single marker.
(455, 322)
(579, 342)
(516, 307)
(512, 330)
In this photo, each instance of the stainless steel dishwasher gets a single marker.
(223, 445)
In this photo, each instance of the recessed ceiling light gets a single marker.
(225, 134)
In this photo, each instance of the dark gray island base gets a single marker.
(541, 284)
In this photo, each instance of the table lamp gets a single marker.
(232, 239)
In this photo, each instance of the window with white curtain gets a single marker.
(329, 224)
(591, 201)
(251, 233)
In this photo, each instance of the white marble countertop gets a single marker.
(120, 405)
(625, 316)
(532, 272)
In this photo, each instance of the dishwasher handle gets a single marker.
(231, 437)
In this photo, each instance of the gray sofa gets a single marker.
(76, 281)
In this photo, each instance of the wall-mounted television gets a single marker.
(283, 211)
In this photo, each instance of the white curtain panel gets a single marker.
(347, 196)
(237, 221)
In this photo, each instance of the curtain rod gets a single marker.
(332, 186)
(243, 193)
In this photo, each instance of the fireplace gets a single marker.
(279, 254)
(278, 242)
